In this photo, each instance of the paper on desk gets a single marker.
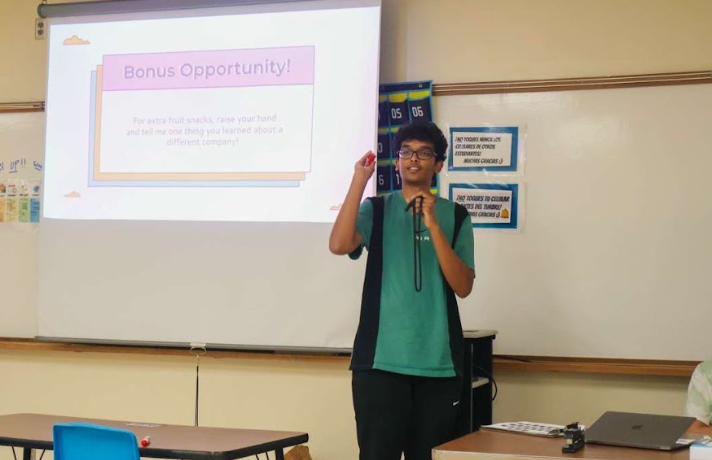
(530, 428)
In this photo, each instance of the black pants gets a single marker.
(398, 414)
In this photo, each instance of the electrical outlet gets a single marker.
(40, 29)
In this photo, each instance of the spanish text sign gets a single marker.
(489, 205)
(484, 149)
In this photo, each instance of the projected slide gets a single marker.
(238, 114)
(210, 117)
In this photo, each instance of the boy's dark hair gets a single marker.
(424, 132)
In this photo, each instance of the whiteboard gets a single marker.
(190, 258)
(613, 259)
(21, 137)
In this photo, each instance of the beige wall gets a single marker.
(565, 398)
(447, 41)
(470, 40)
(259, 394)
(283, 395)
(454, 41)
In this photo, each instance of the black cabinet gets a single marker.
(477, 383)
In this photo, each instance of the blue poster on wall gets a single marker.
(489, 205)
(484, 148)
(399, 104)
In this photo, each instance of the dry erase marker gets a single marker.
(146, 441)
(369, 158)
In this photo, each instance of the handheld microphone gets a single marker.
(412, 203)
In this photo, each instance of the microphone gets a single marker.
(412, 204)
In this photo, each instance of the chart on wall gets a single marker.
(20, 174)
(485, 172)
(491, 205)
(399, 104)
(20, 191)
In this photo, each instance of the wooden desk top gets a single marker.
(493, 445)
(167, 441)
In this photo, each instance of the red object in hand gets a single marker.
(146, 441)
(370, 158)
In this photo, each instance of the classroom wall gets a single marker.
(447, 41)
(454, 41)
(284, 395)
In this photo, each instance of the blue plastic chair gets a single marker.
(84, 441)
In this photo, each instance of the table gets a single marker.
(34, 431)
(491, 445)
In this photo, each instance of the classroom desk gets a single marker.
(493, 445)
(34, 431)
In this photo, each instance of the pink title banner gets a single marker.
(209, 69)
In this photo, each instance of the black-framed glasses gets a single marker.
(422, 154)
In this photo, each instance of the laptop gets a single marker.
(646, 431)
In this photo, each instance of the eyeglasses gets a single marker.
(422, 154)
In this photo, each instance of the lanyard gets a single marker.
(417, 252)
